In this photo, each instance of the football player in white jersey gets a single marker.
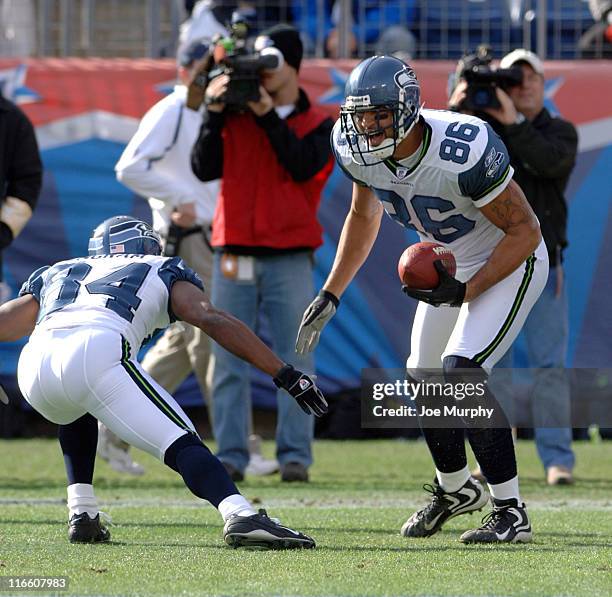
(447, 176)
(88, 318)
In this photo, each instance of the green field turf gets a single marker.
(165, 542)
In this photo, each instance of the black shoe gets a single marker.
(83, 529)
(506, 523)
(444, 506)
(259, 530)
(294, 471)
(233, 472)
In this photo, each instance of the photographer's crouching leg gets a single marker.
(206, 477)
(490, 437)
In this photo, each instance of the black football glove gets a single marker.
(303, 388)
(318, 313)
(448, 292)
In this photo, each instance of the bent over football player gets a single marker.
(447, 176)
(88, 318)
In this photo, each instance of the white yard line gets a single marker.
(537, 504)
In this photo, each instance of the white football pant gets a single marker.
(66, 373)
(483, 329)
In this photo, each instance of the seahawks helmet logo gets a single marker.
(146, 230)
(405, 77)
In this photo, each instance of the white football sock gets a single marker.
(81, 499)
(506, 490)
(452, 482)
(235, 505)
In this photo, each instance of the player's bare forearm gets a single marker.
(356, 240)
(238, 339)
(191, 305)
(18, 318)
(510, 212)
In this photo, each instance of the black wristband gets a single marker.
(330, 296)
(280, 379)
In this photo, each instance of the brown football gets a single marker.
(416, 265)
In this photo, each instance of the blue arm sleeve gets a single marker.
(33, 285)
(175, 270)
(491, 171)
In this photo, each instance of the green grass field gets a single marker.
(165, 542)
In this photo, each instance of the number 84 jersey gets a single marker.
(128, 294)
(461, 165)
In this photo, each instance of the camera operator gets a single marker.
(20, 177)
(543, 152)
(156, 164)
(273, 157)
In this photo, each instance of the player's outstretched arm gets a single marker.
(18, 318)
(358, 235)
(510, 212)
(190, 304)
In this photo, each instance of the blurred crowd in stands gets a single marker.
(432, 29)
(357, 28)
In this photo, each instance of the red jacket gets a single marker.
(261, 204)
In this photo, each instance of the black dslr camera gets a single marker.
(482, 80)
(234, 57)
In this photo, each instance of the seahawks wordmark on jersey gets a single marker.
(460, 167)
(129, 294)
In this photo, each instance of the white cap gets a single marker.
(522, 55)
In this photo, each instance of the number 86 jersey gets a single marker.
(461, 165)
(128, 294)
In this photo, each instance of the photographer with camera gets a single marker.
(543, 153)
(271, 149)
(156, 164)
(21, 174)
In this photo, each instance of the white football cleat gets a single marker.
(115, 451)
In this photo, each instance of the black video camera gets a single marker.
(234, 57)
(482, 80)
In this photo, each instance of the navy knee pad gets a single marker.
(452, 362)
(189, 439)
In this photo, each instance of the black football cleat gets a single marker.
(83, 529)
(506, 523)
(444, 506)
(259, 530)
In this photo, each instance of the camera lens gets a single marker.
(482, 98)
